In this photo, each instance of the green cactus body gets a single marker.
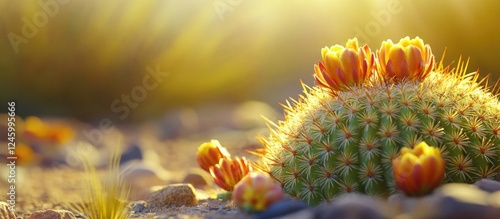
(343, 143)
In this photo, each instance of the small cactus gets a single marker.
(256, 192)
(340, 137)
(419, 170)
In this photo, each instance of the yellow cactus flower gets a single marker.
(256, 192)
(419, 170)
(408, 59)
(344, 67)
(229, 171)
(209, 154)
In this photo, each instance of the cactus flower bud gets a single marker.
(419, 170)
(256, 192)
(344, 67)
(209, 154)
(229, 171)
(408, 59)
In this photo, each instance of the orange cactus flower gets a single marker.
(209, 154)
(256, 192)
(229, 171)
(344, 67)
(419, 170)
(24, 154)
(408, 59)
(60, 134)
(55, 133)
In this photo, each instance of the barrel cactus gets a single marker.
(340, 136)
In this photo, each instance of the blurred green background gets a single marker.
(80, 57)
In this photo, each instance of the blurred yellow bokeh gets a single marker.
(82, 58)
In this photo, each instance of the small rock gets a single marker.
(138, 206)
(357, 207)
(175, 194)
(455, 200)
(134, 152)
(177, 122)
(141, 175)
(282, 208)
(5, 212)
(198, 178)
(52, 214)
(144, 174)
(488, 185)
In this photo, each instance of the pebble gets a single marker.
(5, 212)
(137, 172)
(488, 185)
(141, 176)
(138, 206)
(173, 195)
(176, 123)
(134, 152)
(198, 178)
(52, 214)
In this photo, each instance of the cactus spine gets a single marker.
(341, 141)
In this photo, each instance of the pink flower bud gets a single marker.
(256, 192)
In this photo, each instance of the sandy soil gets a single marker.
(52, 188)
(41, 188)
